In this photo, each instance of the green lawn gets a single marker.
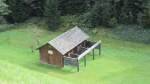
(121, 62)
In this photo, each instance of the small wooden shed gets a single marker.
(67, 49)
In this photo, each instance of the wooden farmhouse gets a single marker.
(68, 49)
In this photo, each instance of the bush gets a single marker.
(2, 20)
(132, 33)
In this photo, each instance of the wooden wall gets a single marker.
(55, 59)
(44, 54)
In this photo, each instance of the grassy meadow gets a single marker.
(121, 62)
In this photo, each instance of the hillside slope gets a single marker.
(121, 62)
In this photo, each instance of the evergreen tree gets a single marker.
(100, 14)
(3, 8)
(131, 11)
(73, 6)
(3, 11)
(36, 7)
(109, 12)
(52, 13)
(20, 11)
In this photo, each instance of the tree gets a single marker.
(4, 8)
(73, 6)
(20, 11)
(3, 11)
(105, 12)
(52, 13)
(36, 7)
(131, 11)
(100, 14)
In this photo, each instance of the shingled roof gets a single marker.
(68, 40)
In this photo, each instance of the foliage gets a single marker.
(131, 11)
(36, 7)
(3, 11)
(100, 14)
(123, 11)
(4, 8)
(20, 11)
(93, 12)
(73, 7)
(24, 9)
(52, 13)
(133, 33)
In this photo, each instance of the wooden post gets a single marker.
(84, 61)
(78, 66)
(93, 55)
(99, 49)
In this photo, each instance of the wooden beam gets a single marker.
(99, 49)
(93, 55)
(88, 50)
(78, 66)
(85, 61)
